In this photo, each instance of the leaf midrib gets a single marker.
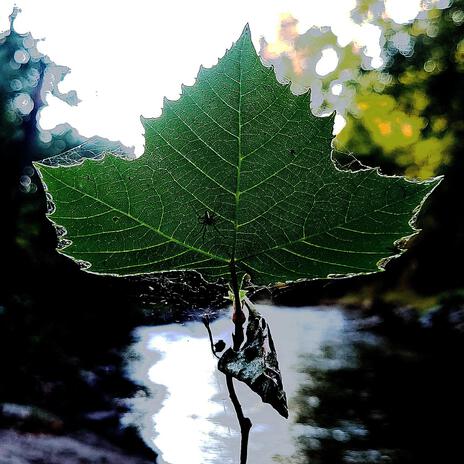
(124, 213)
(239, 162)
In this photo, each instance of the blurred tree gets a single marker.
(27, 77)
(392, 104)
(62, 331)
(42, 314)
(393, 132)
(402, 113)
(27, 239)
(435, 73)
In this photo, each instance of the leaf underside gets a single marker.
(239, 152)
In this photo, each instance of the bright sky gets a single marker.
(126, 55)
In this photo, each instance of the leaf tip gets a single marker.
(436, 181)
(246, 33)
(144, 121)
(329, 118)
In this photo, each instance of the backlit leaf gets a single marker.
(236, 171)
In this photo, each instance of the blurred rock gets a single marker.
(16, 448)
(102, 416)
(407, 316)
(29, 418)
(445, 318)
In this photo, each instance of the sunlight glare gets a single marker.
(402, 11)
(190, 416)
(126, 56)
(328, 62)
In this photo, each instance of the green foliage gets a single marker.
(399, 116)
(387, 125)
(27, 76)
(237, 172)
(387, 111)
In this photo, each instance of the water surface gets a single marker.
(346, 402)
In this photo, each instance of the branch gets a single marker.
(244, 422)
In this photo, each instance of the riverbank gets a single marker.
(63, 350)
(64, 393)
(76, 448)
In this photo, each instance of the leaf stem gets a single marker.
(244, 422)
(238, 316)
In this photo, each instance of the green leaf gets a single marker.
(236, 171)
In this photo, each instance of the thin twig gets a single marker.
(244, 422)
(205, 320)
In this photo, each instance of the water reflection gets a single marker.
(188, 418)
(353, 397)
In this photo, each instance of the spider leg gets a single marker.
(204, 233)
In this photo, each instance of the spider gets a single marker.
(207, 219)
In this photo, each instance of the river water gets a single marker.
(353, 396)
